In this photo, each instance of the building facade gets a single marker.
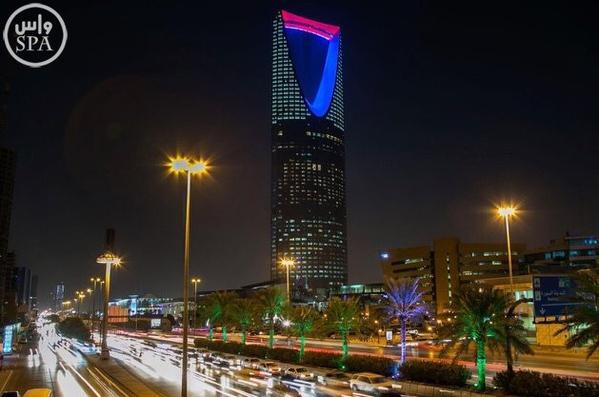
(565, 255)
(448, 264)
(308, 223)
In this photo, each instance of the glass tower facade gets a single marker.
(308, 155)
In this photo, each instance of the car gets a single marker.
(299, 373)
(372, 383)
(41, 392)
(270, 367)
(251, 363)
(335, 378)
(11, 394)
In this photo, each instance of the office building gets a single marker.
(448, 264)
(308, 154)
(565, 255)
(58, 296)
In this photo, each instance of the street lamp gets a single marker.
(95, 281)
(288, 263)
(189, 167)
(195, 281)
(107, 258)
(506, 212)
(79, 295)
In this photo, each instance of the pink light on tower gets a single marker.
(292, 21)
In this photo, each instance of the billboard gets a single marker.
(554, 295)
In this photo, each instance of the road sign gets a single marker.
(554, 295)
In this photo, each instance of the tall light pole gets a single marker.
(189, 167)
(506, 212)
(288, 263)
(95, 281)
(109, 259)
(195, 281)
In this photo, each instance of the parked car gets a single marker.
(371, 383)
(299, 373)
(335, 378)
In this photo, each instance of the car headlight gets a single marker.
(383, 388)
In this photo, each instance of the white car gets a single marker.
(299, 373)
(270, 367)
(371, 383)
(253, 363)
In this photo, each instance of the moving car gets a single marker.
(270, 367)
(371, 383)
(335, 378)
(251, 362)
(299, 373)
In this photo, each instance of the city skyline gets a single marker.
(412, 148)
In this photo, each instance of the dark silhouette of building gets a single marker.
(308, 154)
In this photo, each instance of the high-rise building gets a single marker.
(58, 296)
(447, 264)
(308, 154)
(33, 294)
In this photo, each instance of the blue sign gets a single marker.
(7, 341)
(554, 295)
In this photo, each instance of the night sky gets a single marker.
(450, 107)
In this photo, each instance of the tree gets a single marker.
(73, 327)
(220, 310)
(476, 316)
(515, 336)
(404, 304)
(583, 326)
(302, 321)
(271, 302)
(342, 315)
(244, 313)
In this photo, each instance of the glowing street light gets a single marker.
(506, 212)
(109, 259)
(190, 167)
(195, 281)
(288, 263)
(94, 281)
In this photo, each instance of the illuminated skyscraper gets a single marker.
(308, 155)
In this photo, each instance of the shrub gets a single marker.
(435, 372)
(379, 365)
(536, 384)
(74, 327)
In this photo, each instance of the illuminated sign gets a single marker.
(7, 342)
(155, 323)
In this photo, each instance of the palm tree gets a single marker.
(404, 304)
(271, 302)
(343, 316)
(515, 336)
(583, 326)
(244, 313)
(302, 320)
(220, 305)
(477, 316)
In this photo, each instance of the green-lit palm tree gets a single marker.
(302, 321)
(220, 308)
(583, 326)
(342, 315)
(404, 303)
(244, 313)
(271, 302)
(477, 316)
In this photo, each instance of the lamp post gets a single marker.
(189, 168)
(108, 258)
(195, 281)
(95, 281)
(288, 263)
(506, 212)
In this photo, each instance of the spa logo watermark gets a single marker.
(35, 35)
